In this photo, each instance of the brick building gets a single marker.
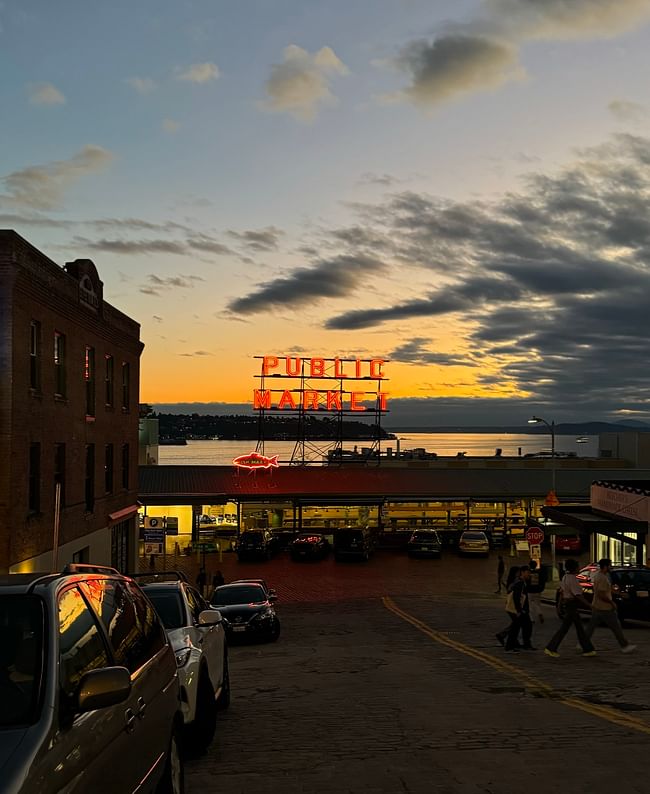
(69, 385)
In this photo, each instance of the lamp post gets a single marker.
(537, 420)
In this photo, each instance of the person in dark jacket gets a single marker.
(217, 580)
(520, 618)
(536, 586)
(201, 580)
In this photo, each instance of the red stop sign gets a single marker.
(534, 536)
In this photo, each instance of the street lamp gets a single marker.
(537, 420)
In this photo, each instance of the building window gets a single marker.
(125, 466)
(108, 468)
(109, 381)
(59, 365)
(126, 385)
(35, 355)
(34, 502)
(89, 377)
(59, 470)
(90, 478)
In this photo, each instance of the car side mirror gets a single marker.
(210, 617)
(101, 688)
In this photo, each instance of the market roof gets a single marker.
(631, 486)
(330, 484)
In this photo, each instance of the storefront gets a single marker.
(616, 520)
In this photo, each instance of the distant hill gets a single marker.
(564, 429)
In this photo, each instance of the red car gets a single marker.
(568, 544)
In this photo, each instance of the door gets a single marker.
(86, 750)
(138, 643)
(209, 638)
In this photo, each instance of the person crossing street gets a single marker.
(572, 599)
(603, 607)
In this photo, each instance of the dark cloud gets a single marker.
(456, 64)
(415, 351)
(197, 353)
(331, 278)
(552, 281)
(260, 240)
(158, 284)
(198, 242)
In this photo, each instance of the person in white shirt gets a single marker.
(603, 607)
(572, 597)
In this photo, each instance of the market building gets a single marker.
(69, 383)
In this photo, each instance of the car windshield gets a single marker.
(430, 537)
(473, 536)
(168, 605)
(21, 659)
(244, 594)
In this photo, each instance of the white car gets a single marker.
(197, 636)
(474, 542)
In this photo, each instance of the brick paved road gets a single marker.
(354, 699)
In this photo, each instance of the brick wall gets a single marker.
(32, 287)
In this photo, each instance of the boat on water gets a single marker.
(172, 442)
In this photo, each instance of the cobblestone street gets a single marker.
(412, 693)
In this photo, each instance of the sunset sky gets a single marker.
(462, 188)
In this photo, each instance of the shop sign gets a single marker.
(152, 548)
(620, 503)
(255, 461)
(321, 369)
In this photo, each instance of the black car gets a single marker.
(630, 590)
(248, 611)
(309, 546)
(256, 544)
(353, 543)
(424, 543)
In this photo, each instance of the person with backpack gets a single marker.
(517, 607)
(572, 599)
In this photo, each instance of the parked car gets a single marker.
(424, 543)
(568, 544)
(256, 543)
(630, 590)
(197, 635)
(88, 687)
(474, 542)
(269, 591)
(309, 546)
(248, 611)
(353, 543)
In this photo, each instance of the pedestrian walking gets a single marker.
(536, 586)
(572, 597)
(517, 608)
(603, 608)
(501, 569)
(218, 580)
(201, 580)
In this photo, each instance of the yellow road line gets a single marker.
(531, 683)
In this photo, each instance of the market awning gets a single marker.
(584, 518)
(123, 514)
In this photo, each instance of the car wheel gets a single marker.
(223, 701)
(201, 731)
(173, 780)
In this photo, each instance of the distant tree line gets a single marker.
(198, 426)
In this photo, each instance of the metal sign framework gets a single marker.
(308, 449)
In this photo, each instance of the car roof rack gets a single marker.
(162, 576)
(79, 567)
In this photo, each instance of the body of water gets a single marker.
(222, 453)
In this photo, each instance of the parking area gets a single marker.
(410, 692)
(387, 572)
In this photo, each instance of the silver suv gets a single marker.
(88, 687)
